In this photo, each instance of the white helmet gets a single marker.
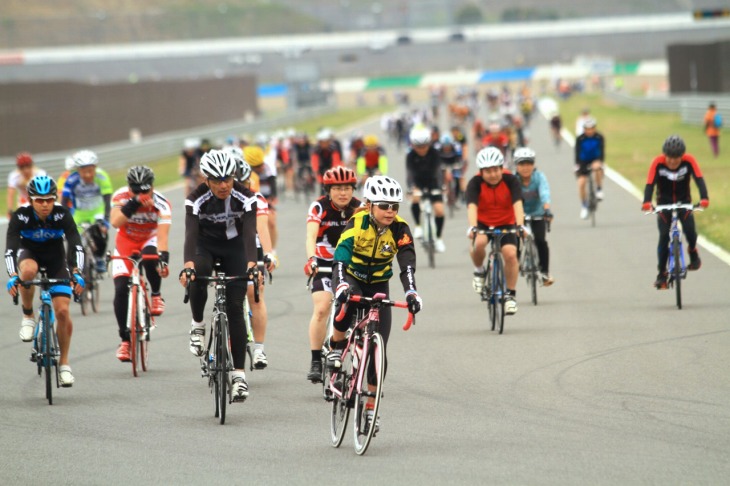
(85, 158)
(234, 151)
(490, 157)
(323, 135)
(420, 136)
(217, 164)
(381, 188)
(191, 143)
(524, 154)
(69, 163)
(244, 171)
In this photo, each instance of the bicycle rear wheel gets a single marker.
(677, 270)
(132, 327)
(340, 406)
(86, 295)
(222, 364)
(376, 358)
(498, 293)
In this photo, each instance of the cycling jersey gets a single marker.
(324, 159)
(588, 149)
(368, 256)
(266, 182)
(17, 182)
(536, 194)
(27, 231)
(495, 205)
(302, 151)
(452, 158)
(142, 225)
(331, 221)
(88, 200)
(673, 186)
(370, 161)
(500, 140)
(424, 172)
(221, 222)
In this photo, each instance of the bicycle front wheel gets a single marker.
(340, 406)
(430, 242)
(499, 291)
(47, 347)
(222, 362)
(132, 327)
(374, 362)
(677, 270)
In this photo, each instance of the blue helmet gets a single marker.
(42, 186)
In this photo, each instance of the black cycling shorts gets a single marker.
(55, 265)
(507, 239)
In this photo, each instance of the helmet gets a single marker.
(420, 136)
(42, 186)
(69, 163)
(339, 175)
(382, 189)
(674, 146)
(524, 154)
(490, 157)
(253, 155)
(262, 139)
(217, 164)
(447, 139)
(191, 143)
(234, 151)
(140, 178)
(23, 159)
(589, 123)
(244, 171)
(84, 158)
(370, 141)
(323, 135)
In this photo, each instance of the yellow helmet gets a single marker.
(370, 141)
(253, 155)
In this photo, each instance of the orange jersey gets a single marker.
(143, 224)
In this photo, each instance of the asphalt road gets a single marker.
(605, 382)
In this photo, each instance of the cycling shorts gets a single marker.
(55, 265)
(507, 239)
(126, 247)
(584, 168)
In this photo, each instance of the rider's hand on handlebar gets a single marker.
(471, 232)
(704, 203)
(187, 274)
(415, 303)
(646, 206)
(310, 267)
(343, 292)
(271, 262)
(13, 285)
(78, 282)
(164, 269)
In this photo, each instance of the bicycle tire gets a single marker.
(340, 411)
(592, 201)
(677, 270)
(143, 326)
(376, 356)
(222, 363)
(85, 298)
(95, 299)
(533, 273)
(499, 293)
(430, 242)
(132, 327)
(487, 291)
(47, 351)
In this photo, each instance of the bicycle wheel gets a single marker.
(47, 347)
(592, 201)
(677, 270)
(85, 298)
(498, 293)
(143, 331)
(222, 362)
(430, 241)
(532, 273)
(340, 406)
(375, 358)
(132, 327)
(94, 291)
(487, 293)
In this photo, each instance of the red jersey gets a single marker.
(143, 224)
(495, 205)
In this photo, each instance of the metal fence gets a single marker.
(691, 107)
(125, 154)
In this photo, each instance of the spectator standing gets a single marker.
(712, 128)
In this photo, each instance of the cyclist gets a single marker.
(142, 217)
(372, 159)
(363, 262)
(536, 203)
(324, 155)
(494, 199)
(69, 166)
(590, 153)
(263, 180)
(326, 219)
(452, 161)
(18, 181)
(188, 165)
(671, 173)
(264, 251)
(220, 223)
(89, 192)
(556, 125)
(35, 239)
(423, 169)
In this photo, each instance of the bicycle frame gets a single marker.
(429, 224)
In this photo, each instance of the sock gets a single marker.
(316, 355)
(259, 346)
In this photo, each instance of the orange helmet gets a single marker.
(339, 175)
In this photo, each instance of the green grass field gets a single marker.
(634, 138)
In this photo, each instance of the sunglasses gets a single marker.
(44, 200)
(217, 182)
(388, 206)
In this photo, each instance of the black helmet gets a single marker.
(42, 186)
(674, 146)
(140, 178)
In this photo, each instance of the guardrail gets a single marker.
(691, 107)
(125, 154)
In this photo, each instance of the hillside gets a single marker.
(38, 23)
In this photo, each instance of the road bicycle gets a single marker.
(592, 199)
(46, 351)
(429, 224)
(362, 362)
(529, 258)
(140, 321)
(326, 372)
(305, 182)
(676, 267)
(494, 290)
(216, 363)
(90, 296)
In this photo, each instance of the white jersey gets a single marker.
(17, 182)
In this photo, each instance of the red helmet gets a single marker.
(339, 175)
(23, 159)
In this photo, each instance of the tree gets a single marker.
(469, 14)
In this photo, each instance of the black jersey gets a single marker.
(221, 221)
(26, 230)
(424, 172)
(673, 186)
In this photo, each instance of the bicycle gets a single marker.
(45, 352)
(592, 199)
(90, 295)
(429, 231)
(140, 322)
(216, 363)
(529, 259)
(305, 181)
(248, 315)
(326, 373)
(494, 291)
(364, 355)
(676, 267)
